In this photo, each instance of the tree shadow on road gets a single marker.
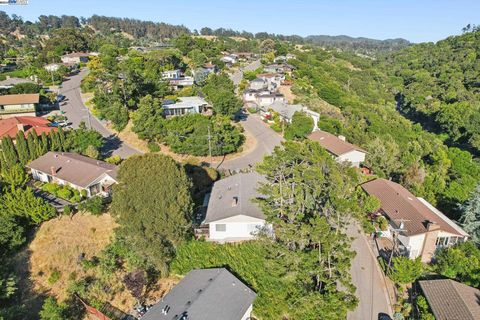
(111, 143)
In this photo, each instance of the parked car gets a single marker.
(60, 123)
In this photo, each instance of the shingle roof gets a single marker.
(241, 188)
(19, 98)
(332, 143)
(208, 294)
(451, 300)
(73, 167)
(398, 203)
(284, 109)
(10, 126)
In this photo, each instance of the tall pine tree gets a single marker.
(44, 143)
(470, 218)
(10, 156)
(32, 142)
(22, 148)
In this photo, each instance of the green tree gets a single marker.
(22, 88)
(15, 176)
(301, 126)
(308, 199)
(220, 92)
(23, 203)
(51, 310)
(470, 218)
(461, 263)
(22, 148)
(154, 214)
(405, 270)
(92, 152)
(32, 142)
(9, 153)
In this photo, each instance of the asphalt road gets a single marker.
(368, 279)
(267, 140)
(237, 76)
(76, 112)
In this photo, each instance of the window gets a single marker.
(441, 241)
(220, 227)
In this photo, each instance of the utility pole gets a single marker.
(395, 233)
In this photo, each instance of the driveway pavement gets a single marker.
(368, 279)
(76, 112)
(267, 140)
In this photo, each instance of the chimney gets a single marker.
(53, 171)
(342, 138)
(234, 201)
(20, 127)
(431, 226)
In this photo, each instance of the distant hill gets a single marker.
(361, 45)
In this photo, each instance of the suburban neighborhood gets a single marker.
(152, 171)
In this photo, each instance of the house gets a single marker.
(210, 67)
(185, 105)
(339, 148)
(250, 95)
(11, 82)
(205, 294)
(286, 111)
(52, 67)
(82, 173)
(279, 59)
(424, 229)
(229, 59)
(171, 74)
(181, 82)
(75, 57)
(274, 80)
(264, 100)
(10, 126)
(258, 84)
(449, 299)
(231, 213)
(13, 105)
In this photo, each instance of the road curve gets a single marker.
(76, 112)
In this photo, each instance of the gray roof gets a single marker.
(74, 168)
(10, 82)
(451, 300)
(204, 294)
(240, 188)
(286, 110)
(187, 102)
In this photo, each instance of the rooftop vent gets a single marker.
(234, 201)
(342, 138)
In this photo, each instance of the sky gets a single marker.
(414, 20)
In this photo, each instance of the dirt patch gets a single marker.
(287, 92)
(129, 137)
(57, 245)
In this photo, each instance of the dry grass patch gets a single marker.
(59, 243)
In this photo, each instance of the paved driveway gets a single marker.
(266, 138)
(76, 112)
(368, 279)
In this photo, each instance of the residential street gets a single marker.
(76, 112)
(266, 138)
(368, 278)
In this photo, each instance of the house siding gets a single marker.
(238, 227)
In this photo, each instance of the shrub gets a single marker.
(65, 193)
(67, 210)
(382, 223)
(114, 160)
(252, 110)
(153, 146)
(93, 205)
(51, 188)
(405, 270)
(54, 276)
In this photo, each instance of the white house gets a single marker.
(258, 84)
(185, 105)
(171, 74)
(82, 173)
(229, 59)
(75, 57)
(231, 214)
(251, 95)
(339, 148)
(52, 67)
(274, 80)
(422, 228)
(264, 100)
(214, 294)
